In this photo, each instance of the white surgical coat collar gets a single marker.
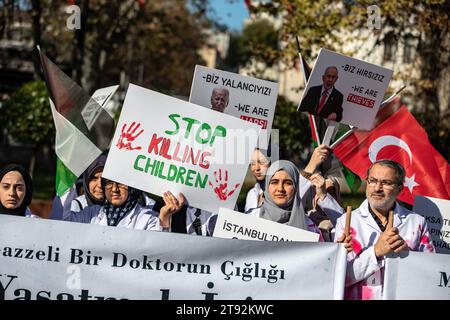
(399, 214)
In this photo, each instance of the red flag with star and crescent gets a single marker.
(400, 138)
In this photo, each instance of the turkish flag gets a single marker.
(400, 138)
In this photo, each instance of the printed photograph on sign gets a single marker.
(345, 89)
(165, 144)
(246, 98)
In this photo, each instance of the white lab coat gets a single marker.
(75, 204)
(251, 201)
(208, 220)
(365, 272)
(29, 214)
(140, 218)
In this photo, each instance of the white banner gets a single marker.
(44, 259)
(250, 99)
(355, 89)
(235, 225)
(166, 144)
(417, 276)
(437, 213)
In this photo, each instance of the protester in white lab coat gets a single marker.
(16, 191)
(259, 164)
(372, 240)
(121, 209)
(185, 219)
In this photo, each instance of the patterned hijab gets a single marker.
(114, 214)
(293, 213)
(87, 175)
(20, 210)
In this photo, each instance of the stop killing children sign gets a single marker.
(165, 144)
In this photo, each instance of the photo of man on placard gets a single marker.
(219, 99)
(324, 100)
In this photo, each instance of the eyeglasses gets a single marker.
(109, 184)
(387, 184)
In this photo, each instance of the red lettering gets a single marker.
(153, 146)
(165, 149)
(175, 153)
(162, 147)
(365, 102)
(191, 156)
(261, 122)
(204, 163)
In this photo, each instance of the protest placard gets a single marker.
(345, 89)
(165, 144)
(247, 98)
(419, 275)
(235, 225)
(437, 214)
(52, 262)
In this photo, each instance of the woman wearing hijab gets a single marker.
(282, 202)
(16, 191)
(92, 187)
(121, 208)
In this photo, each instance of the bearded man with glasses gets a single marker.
(373, 239)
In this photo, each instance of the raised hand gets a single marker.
(332, 116)
(319, 183)
(128, 136)
(222, 189)
(171, 206)
(389, 241)
(347, 241)
(319, 155)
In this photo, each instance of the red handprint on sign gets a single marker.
(222, 189)
(128, 136)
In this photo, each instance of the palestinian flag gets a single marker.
(83, 128)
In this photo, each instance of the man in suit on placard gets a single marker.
(325, 100)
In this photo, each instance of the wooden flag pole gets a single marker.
(348, 221)
(390, 223)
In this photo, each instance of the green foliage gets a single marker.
(258, 41)
(438, 132)
(295, 133)
(423, 25)
(27, 115)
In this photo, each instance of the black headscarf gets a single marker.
(20, 210)
(98, 163)
(113, 213)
